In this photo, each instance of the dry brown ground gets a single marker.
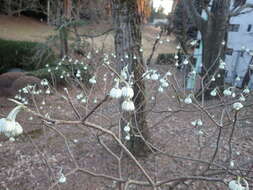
(34, 160)
(24, 28)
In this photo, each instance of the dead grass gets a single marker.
(24, 28)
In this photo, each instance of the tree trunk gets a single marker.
(78, 7)
(67, 9)
(48, 12)
(213, 32)
(213, 50)
(64, 41)
(127, 24)
(20, 7)
(9, 8)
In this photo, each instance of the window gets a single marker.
(249, 27)
(233, 27)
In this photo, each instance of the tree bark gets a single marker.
(48, 12)
(67, 9)
(213, 50)
(213, 32)
(127, 22)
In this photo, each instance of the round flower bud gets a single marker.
(128, 105)
(154, 76)
(127, 92)
(227, 92)
(127, 137)
(92, 80)
(127, 128)
(213, 92)
(237, 106)
(188, 100)
(115, 93)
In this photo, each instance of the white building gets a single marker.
(239, 54)
(240, 49)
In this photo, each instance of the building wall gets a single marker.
(241, 41)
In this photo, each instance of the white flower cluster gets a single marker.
(82, 98)
(197, 122)
(126, 92)
(44, 82)
(246, 91)
(29, 89)
(92, 80)
(186, 62)
(62, 177)
(214, 92)
(227, 92)
(106, 59)
(151, 75)
(8, 126)
(237, 106)
(78, 74)
(236, 185)
(154, 75)
(188, 99)
(194, 42)
(78, 68)
(116, 92)
(242, 98)
(222, 64)
(124, 73)
(127, 131)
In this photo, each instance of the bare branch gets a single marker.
(154, 47)
(193, 13)
(241, 10)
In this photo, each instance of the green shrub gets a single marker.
(25, 55)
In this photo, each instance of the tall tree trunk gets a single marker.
(9, 7)
(64, 41)
(127, 22)
(78, 7)
(67, 9)
(213, 31)
(213, 50)
(48, 12)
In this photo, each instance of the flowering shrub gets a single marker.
(194, 142)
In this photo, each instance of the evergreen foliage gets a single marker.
(24, 55)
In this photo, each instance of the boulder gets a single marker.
(11, 82)
(7, 79)
(22, 82)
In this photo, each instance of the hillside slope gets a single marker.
(26, 28)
